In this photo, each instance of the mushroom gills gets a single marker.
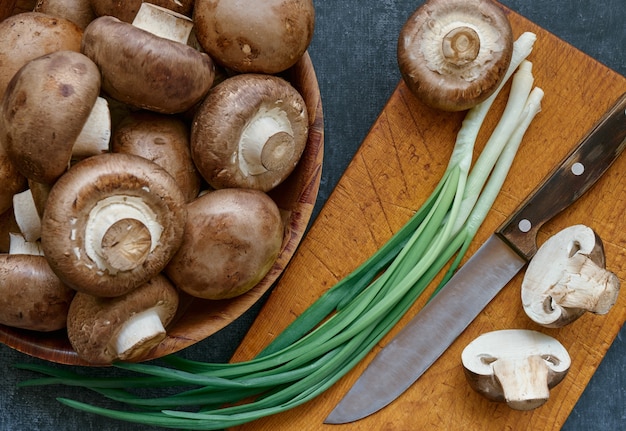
(138, 334)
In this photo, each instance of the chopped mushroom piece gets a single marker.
(568, 277)
(126, 328)
(453, 54)
(516, 366)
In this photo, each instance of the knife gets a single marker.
(405, 358)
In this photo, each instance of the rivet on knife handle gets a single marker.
(584, 165)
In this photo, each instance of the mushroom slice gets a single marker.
(516, 366)
(147, 71)
(31, 295)
(453, 54)
(250, 131)
(126, 328)
(111, 223)
(231, 241)
(45, 109)
(567, 277)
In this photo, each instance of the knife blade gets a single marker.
(415, 348)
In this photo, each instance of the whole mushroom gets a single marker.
(516, 366)
(77, 11)
(568, 277)
(232, 239)
(124, 328)
(111, 223)
(249, 131)
(453, 54)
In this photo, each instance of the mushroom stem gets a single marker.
(96, 133)
(266, 142)
(26, 215)
(524, 381)
(163, 22)
(140, 333)
(461, 45)
(19, 245)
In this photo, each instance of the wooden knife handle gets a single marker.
(574, 176)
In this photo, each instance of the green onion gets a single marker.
(329, 338)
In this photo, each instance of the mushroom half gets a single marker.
(516, 366)
(453, 54)
(567, 277)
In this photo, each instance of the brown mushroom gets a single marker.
(77, 11)
(111, 223)
(232, 239)
(453, 54)
(266, 36)
(250, 131)
(31, 295)
(8, 225)
(163, 139)
(516, 366)
(104, 330)
(127, 10)
(11, 179)
(28, 35)
(568, 277)
(46, 108)
(144, 70)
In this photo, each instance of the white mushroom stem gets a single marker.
(524, 381)
(19, 245)
(139, 333)
(163, 22)
(95, 135)
(26, 215)
(120, 232)
(266, 142)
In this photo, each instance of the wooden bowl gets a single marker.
(198, 319)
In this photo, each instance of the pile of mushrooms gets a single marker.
(131, 173)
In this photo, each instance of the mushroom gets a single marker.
(163, 139)
(567, 277)
(453, 54)
(232, 239)
(8, 225)
(127, 10)
(31, 296)
(250, 131)
(516, 366)
(28, 35)
(126, 328)
(145, 70)
(77, 11)
(111, 223)
(49, 111)
(265, 36)
(26, 215)
(11, 179)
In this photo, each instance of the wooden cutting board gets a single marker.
(395, 169)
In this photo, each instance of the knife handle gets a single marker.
(573, 177)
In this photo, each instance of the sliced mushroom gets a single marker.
(147, 71)
(111, 223)
(28, 35)
(232, 239)
(266, 36)
(453, 54)
(516, 366)
(77, 11)
(250, 131)
(45, 109)
(31, 296)
(104, 330)
(568, 277)
(163, 139)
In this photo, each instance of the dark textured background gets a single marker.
(354, 55)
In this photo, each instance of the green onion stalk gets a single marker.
(332, 335)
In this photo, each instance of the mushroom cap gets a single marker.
(8, 225)
(28, 35)
(266, 36)
(31, 296)
(163, 139)
(86, 206)
(144, 70)
(93, 323)
(127, 10)
(231, 241)
(77, 11)
(11, 179)
(250, 131)
(498, 364)
(44, 110)
(567, 277)
(453, 54)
